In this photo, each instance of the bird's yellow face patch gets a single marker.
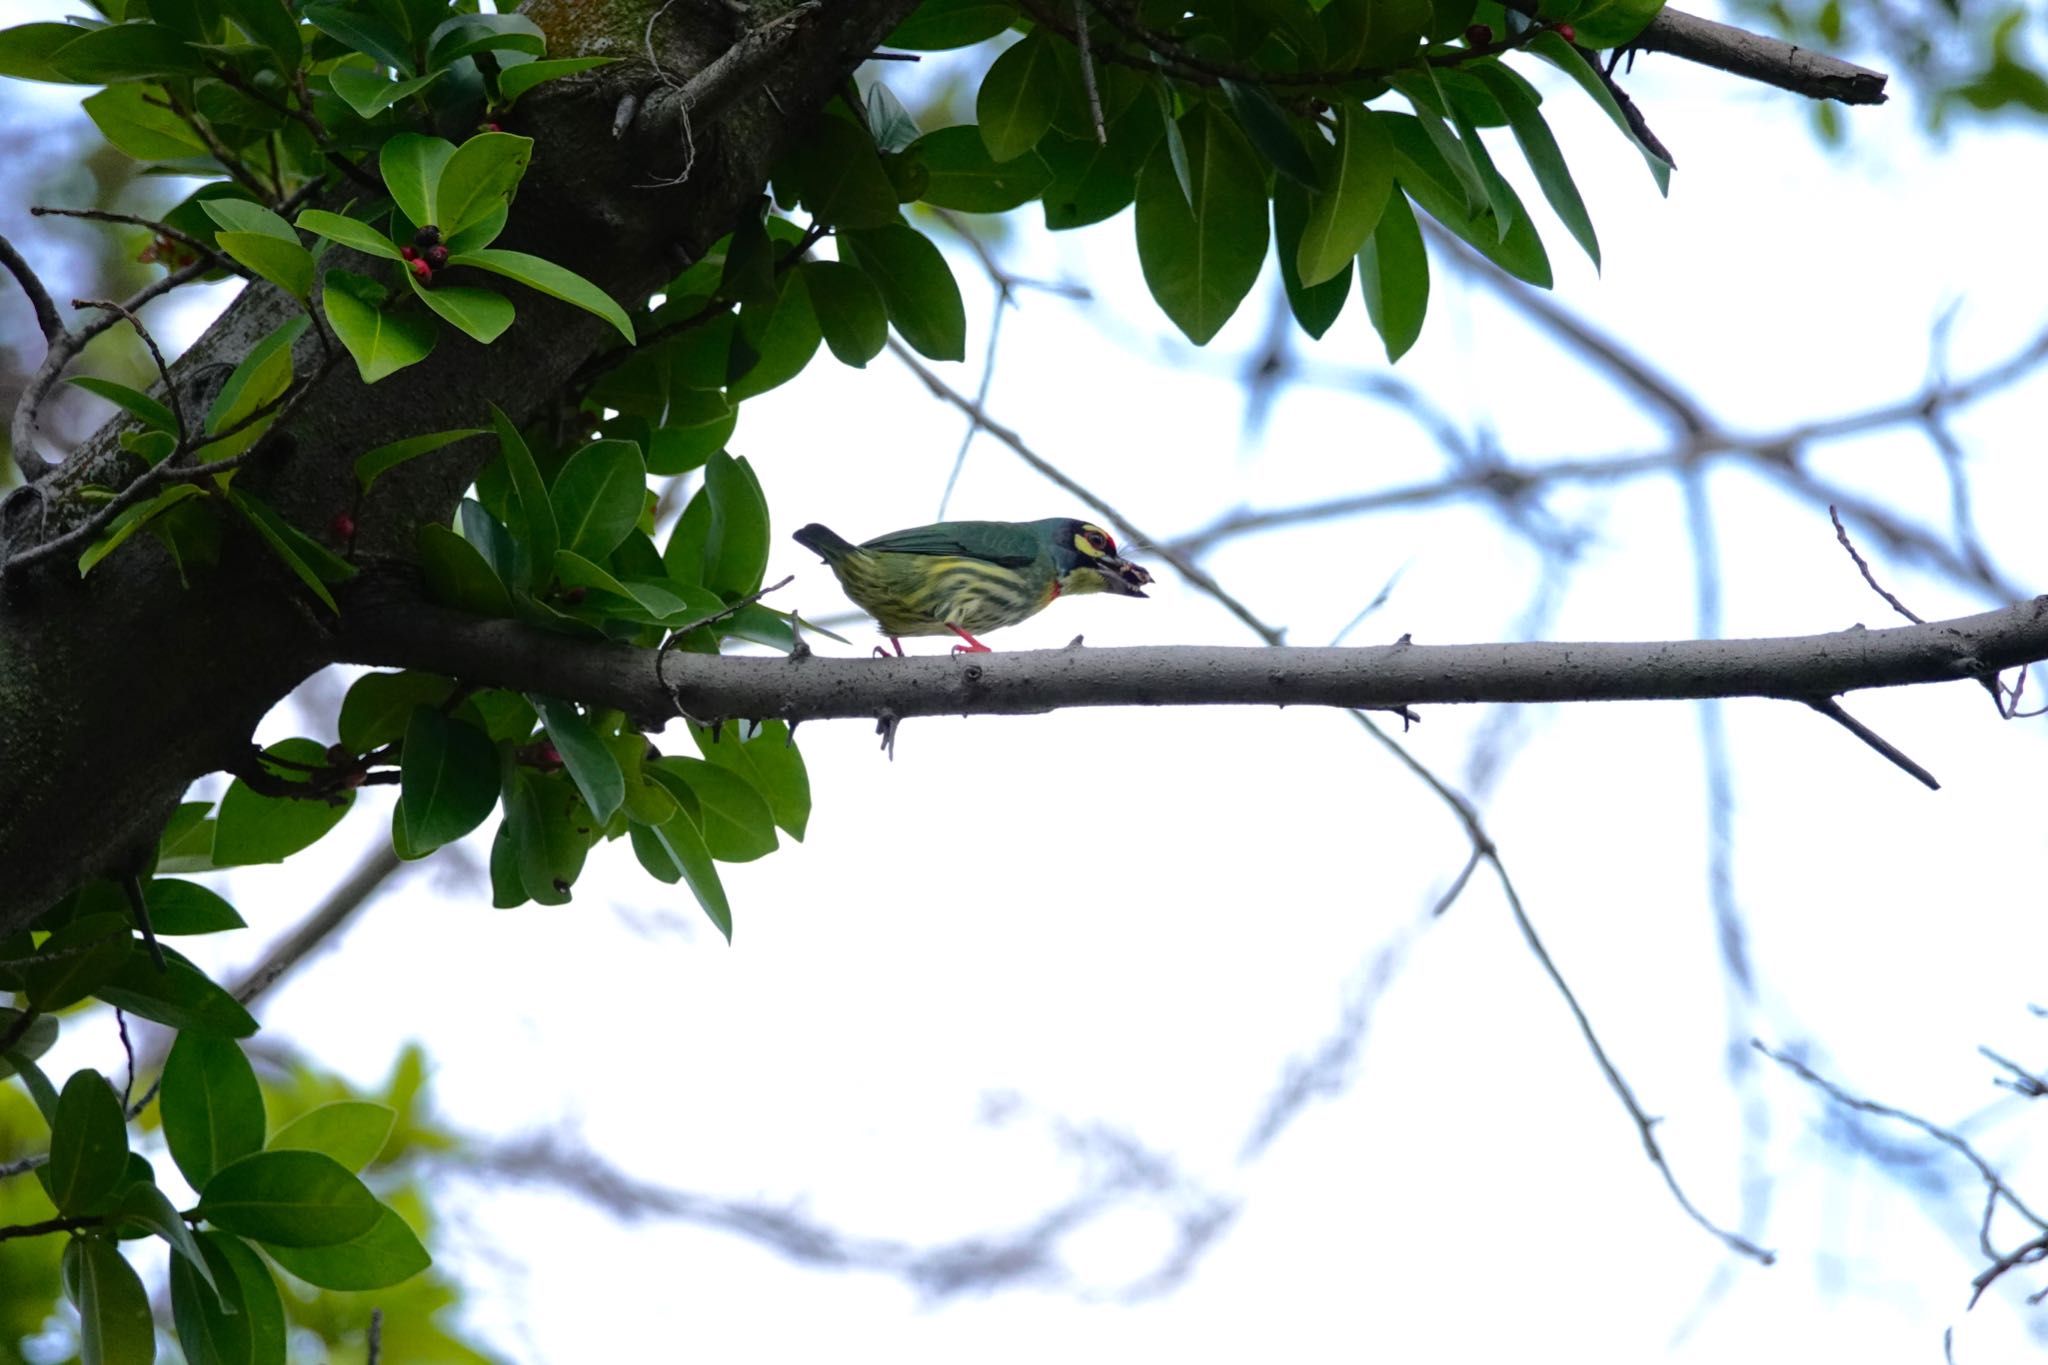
(1094, 542)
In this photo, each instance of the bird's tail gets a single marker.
(829, 544)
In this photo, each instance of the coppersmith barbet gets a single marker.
(969, 577)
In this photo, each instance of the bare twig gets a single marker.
(1842, 534)
(163, 369)
(1832, 709)
(47, 321)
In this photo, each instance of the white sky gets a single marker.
(964, 922)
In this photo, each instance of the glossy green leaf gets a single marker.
(770, 763)
(353, 1132)
(370, 93)
(291, 545)
(253, 828)
(483, 314)
(27, 49)
(126, 52)
(889, 122)
(965, 177)
(350, 233)
(35, 1038)
(535, 536)
(589, 763)
(1271, 132)
(1393, 277)
(1545, 158)
(939, 25)
(917, 287)
(1019, 96)
(378, 706)
(131, 520)
(598, 496)
(515, 81)
(143, 1205)
(696, 422)
(271, 24)
(387, 1254)
(1200, 256)
(242, 215)
(88, 1145)
(737, 540)
(152, 413)
(180, 997)
(1612, 23)
(411, 164)
(211, 1105)
(684, 555)
(1422, 173)
(674, 851)
(849, 309)
(465, 35)
(179, 908)
(287, 265)
(546, 848)
(245, 1323)
(77, 959)
(1350, 196)
(289, 1199)
(134, 121)
(449, 782)
(735, 819)
(261, 378)
(457, 574)
(840, 177)
(388, 457)
(1315, 307)
(381, 342)
(479, 179)
(1568, 59)
(114, 1322)
(550, 279)
(784, 345)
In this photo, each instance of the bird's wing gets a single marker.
(998, 542)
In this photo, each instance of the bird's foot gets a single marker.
(973, 646)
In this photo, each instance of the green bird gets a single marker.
(972, 576)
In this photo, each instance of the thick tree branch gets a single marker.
(1758, 58)
(1803, 668)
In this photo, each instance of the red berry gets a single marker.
(437, 256)
(407, 252)
(550, 755)
(1479, 35)
(492, 126)
(343, 526)
(421, 269)
(575, 595)
(1567, 32)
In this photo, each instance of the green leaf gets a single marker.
(515, 81)
(1612, 23)
(241, 215)
(245, 1324)
(736, 542)
(771, 765)
(1351, 195)
(1393, 277)
(253, 828)
(482, 313)
(449, 783)
(131, 520)
(88, 1145)
(212, 1106)
(546, 849)
(938, 25)
(674, 851)
(479, 180)
(179, 907)
(849, 309)
(180, 997)
(1315, 307)
(126, 52)
(152, 414)
(535, 537)
(1019, 96)
(684, 555)
(696, 422)
(289, 544)
(590, 764)
(77, 959)
(1271, 132)
(34, 1040)
(550, 279)
(388, 457)
(36, 1083)
(735, 819)
(261, 378)
(289, 1199)
(145, 1206)
(271, 23)
(114, 1322)
(783, 346)
(840, 177)
(965, 177)
(1566, 58)
(1200, 256)
(150, 447)
(1421, 171)
(127, 118)
(1091, 182)
(465, 35)
(370, 93)
(1545, 158)
(287, 265)
(888, 121)
(187, 842)
(353, 1132)
(26, 51)
(382, 343)
(458, 575)
(384, 1256)
(411, 164)
(598, 496)
(351, 234)
(378, 706)
(916, 286)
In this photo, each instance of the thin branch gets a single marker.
(1832, 709)
(1862, 567)
(47, 321)
(163, 368)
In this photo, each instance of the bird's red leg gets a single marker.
(973, 646)
(881, 653)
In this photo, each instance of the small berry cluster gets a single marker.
(426, 254)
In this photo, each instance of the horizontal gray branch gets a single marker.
(814, 687)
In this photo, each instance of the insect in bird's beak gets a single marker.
(1123, 577)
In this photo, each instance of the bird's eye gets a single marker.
(1099, 540)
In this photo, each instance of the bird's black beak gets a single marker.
(1122, 577)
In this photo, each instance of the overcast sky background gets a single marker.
(1136, 918)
